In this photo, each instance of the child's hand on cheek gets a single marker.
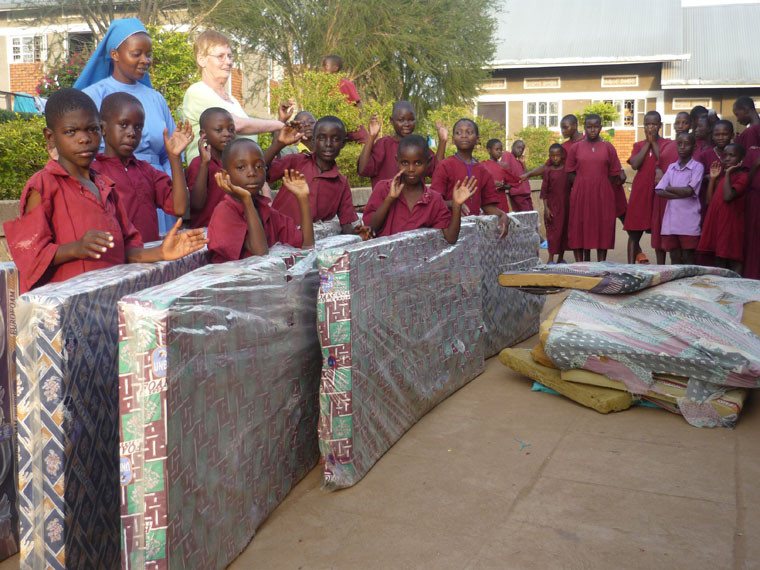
(224, 182)
(93, 244)
(296, 184)
(180, 139)
(463, 190)
(730, 169)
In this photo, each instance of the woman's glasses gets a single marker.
(222, 57)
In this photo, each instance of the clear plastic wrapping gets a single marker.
(509, 315)
(67, 413)
(400, 323)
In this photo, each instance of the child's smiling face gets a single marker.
(465, 135)
(219, 129)
(329, 138)
(403, 121)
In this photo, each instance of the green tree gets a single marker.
(174, 68)
(430, 52)
(607, 111)
(22, 153)
(537, 142)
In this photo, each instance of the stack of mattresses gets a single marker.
(327, 228)
(683, 340)
(8, 473)
(292, 255)
(67, 413)
(400, 324)
(509, 315)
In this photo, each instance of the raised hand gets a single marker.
(374, 125)
(285, 111)
(463, 190)
(93, 244)
(176, 245)
(203, 149)
(180, 139)
(290, 133)
(715, 169)
(295, 182)
(224, 182)
(396, 187)
(443, 132)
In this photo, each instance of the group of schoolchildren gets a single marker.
(697, 195)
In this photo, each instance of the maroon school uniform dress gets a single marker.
(555, 189)
(141, 188)
(723, 228)
(700, 145)
(638, 216)
(592, 200)
(67, 211)
(519, 194)
(497, 172)
(430, 211)
(214, 194)
(454, 169)
(668, 155)
(329, 192)
(228, 229)
(382, 161)
(706, 156)
(752, 221)
(749, 137)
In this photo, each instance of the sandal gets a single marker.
(641, 258)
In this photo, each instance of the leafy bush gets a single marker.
(537, 142)
(63, 73)
(607, 111)
(346, 161)
(174, 68)
(7, 115)
(22, 153)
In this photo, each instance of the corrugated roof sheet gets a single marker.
(575, 32)
(724, 42)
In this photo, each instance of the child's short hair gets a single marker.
(303, 113)
(233, 144)
(335, 60)
(210, 112)
(466, 120)
(403, 104)
(653, 114)
(691, 137)
(570, 118)
(414, 141)
(111, 103)
(518, 141)
(492, 142)
(740, 150)
(697, 112)
(592, 117)
(64, 101)
(330, 119)
(725, 123)
(683, 113)
(745, 102)
(208, 39)
(557, 146)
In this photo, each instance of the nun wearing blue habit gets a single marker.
(97, 81)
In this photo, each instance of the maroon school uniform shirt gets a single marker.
(214, 194)
(749, 137)
(497, 172)
(454, 169)
(349, 90)
(723, 228)
(515, 170)
(141, 190)
(228, 229)
(430, 211)
(382, 162)
(329, 192)
(67, 211)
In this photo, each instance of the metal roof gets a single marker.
(724, 45)
(542, 33)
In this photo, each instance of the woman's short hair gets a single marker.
(207, 40)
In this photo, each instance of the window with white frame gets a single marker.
(27, 49)
(626, 109)
(542, 114)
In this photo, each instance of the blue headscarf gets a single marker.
(100, 64)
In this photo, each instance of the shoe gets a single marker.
(641, 258)
(563, 261)
(544, 245)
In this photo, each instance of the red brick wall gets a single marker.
(623, 143)
(237, 85)
(25, 77)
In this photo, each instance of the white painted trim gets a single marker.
(686, 86)
(526, 79)
(603, 86)
(566, 95)
(569, 62)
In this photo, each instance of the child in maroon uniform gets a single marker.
(569, 128)
(723, 228)
(334, 64)
(404, 203)
(217, 129)
(752, 217)
(71, 218)
(555, 193)
(644, 159)
(377, 160)
(703, 132)
(462, 166)
(722, 133)
(244, 224)
(593, 166)
(141, 187)
(519, 190)
(496, 168)
(745, 113)
(329, 192)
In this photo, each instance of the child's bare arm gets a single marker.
(175, 146)
(255, 237)
(672, 192)
(493, 210)
(729, 192)
(374, 131)
(462, 192)
(715, 170)
(377, 220)
(443, 139)
(199, 190)
(295, 183)
(537, 171)
(289, 134)
(174, 246)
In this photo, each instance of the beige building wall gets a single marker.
(5, 75)
(256, 86)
